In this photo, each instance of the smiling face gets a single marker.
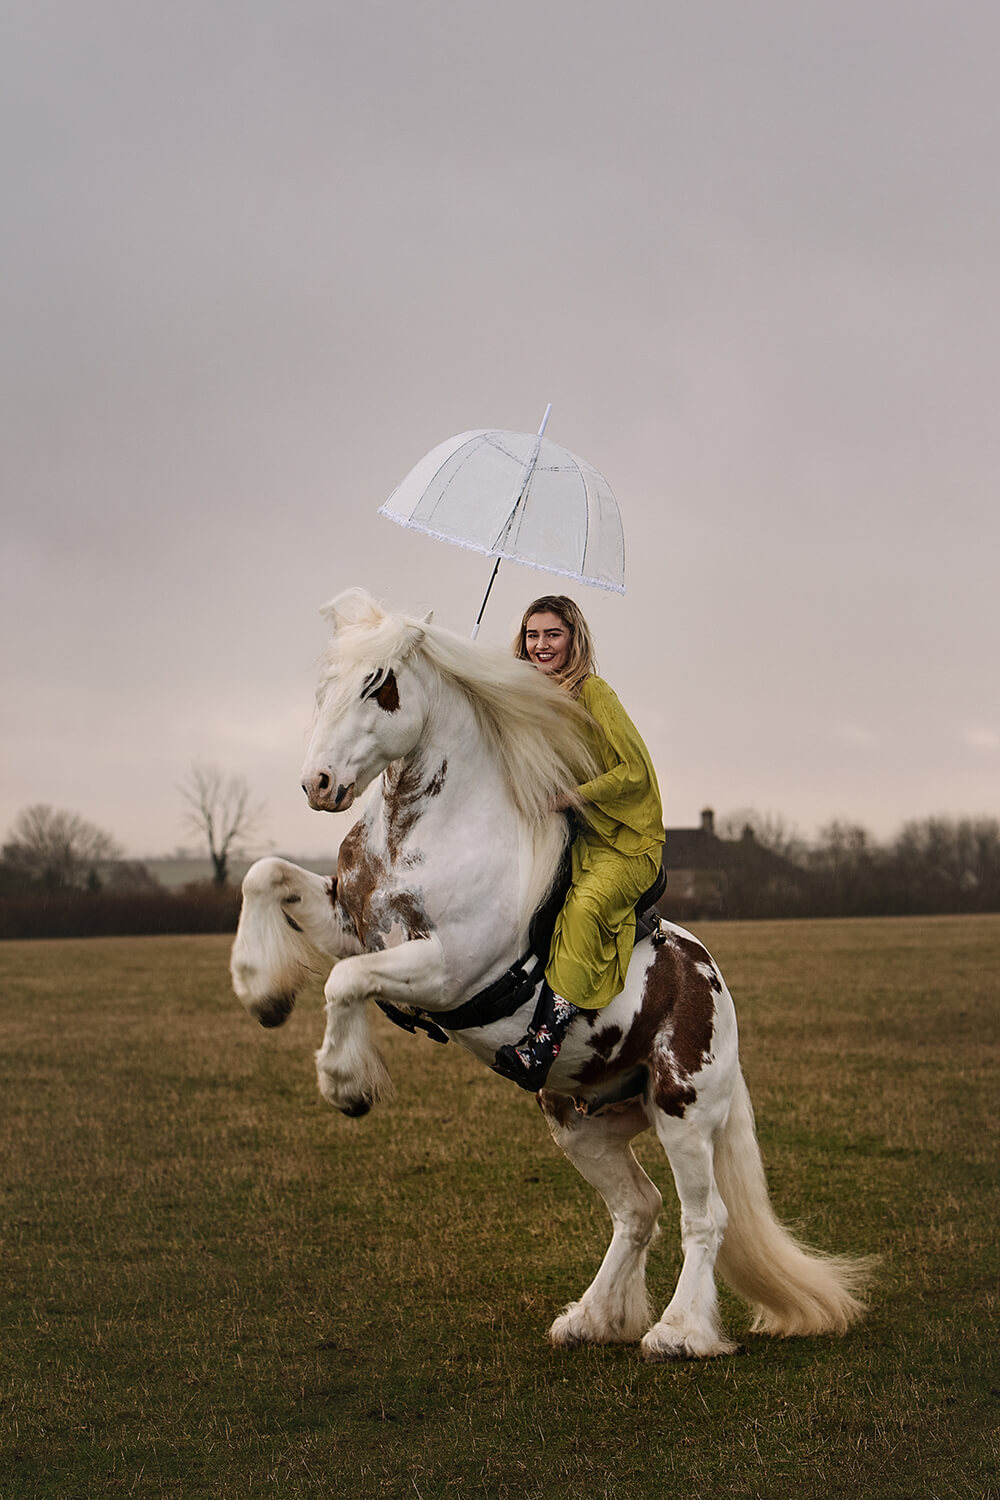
(547, 641)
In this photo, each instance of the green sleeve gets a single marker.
(623, 800)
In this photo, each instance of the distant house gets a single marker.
(735, 877)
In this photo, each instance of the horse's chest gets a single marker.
(383, 908)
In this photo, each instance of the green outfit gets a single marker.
(616, 858)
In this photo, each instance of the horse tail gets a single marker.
(790, 1287)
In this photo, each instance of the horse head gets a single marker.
(370, 707)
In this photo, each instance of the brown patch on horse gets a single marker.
(399, 910)
(637, 1045)
(351, 850)
(678, 975)
(387, 696)
(404, 793)
(559, 1107)
(376, 913)
(672, 1031)
(606, 1040)
(401, 794)
(624, 1121)
(698, 954)
(669, 1092)
(436, 783)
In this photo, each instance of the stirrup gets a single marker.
(510, 1063)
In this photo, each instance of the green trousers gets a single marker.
(595, 931)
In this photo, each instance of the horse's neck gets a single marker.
(449, 799)
(449, 775)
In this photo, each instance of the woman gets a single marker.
(615, 856)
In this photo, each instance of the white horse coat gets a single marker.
(433, 896)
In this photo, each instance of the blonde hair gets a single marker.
(581, 661)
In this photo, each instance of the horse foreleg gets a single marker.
(615, 1307)
(352, 1074)
(288, 926)
(689, 1328)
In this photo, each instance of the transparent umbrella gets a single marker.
(520, 497)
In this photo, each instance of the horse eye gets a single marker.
(387, 696)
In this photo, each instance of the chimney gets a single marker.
(708, 822)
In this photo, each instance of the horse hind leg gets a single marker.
(615, 1307)
(690, 1326)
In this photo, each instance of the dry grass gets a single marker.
(217, 1287)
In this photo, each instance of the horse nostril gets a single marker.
(323, 781)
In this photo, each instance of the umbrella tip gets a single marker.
(545, 419)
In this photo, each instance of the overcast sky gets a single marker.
(258, 257)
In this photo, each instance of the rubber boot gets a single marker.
(528, 1061)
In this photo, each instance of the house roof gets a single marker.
(700, 849)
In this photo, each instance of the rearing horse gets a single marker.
(432, 901)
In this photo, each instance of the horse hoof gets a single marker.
(662, 1354)
(661, 1351)
(356, 1110)
(565, 1340)
(275, 1010)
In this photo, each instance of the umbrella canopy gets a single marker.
(520, 497)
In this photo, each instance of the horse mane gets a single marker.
(537, 733)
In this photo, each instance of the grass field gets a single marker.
(216, 1286)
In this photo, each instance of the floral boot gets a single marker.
(528, 1061)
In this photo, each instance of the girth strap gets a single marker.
(410, 1021)
(499, 999)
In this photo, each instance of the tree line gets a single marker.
(934, 865)
(60, 875)
(52, 849)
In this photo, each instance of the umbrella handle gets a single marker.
(482, 607)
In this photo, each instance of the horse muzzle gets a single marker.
(326, 794)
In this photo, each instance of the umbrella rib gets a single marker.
(504, 448)
(402, 520)
(525, 484)
(586, 527)
(467, 449)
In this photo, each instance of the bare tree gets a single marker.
(220, 809)
(769, 829)
(57, 849)
(849, 866)
(943, 864)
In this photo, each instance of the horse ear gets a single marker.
(413, 634)
(352, 607)
(412, 637)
